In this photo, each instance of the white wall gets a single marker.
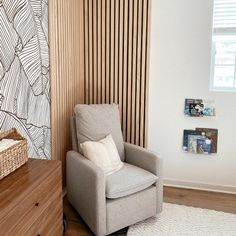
(180, 68)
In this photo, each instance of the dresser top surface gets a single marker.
(26, 178)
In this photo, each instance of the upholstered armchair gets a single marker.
(110, 203)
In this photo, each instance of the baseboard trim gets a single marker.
(200, 186)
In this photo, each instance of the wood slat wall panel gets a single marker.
(99, 53)
(116, 41)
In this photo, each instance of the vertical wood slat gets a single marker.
(143, 74)
(116, 40)
(134, 73)
(138, 78)
(86, 51)
(95, 49)
(54, 60)
(148, 33)
(125, 55)
(129, 75)
(90, 43)
(121, 51)
(103, 26)
(108, 35)
(99, 51)
(116, 57)
(112, 52)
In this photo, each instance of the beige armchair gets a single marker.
(110, 203)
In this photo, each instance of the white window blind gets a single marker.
(223, 61)
(224, 16)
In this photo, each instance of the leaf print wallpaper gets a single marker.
(24, 73)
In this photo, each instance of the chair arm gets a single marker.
(143, 158)
(149, 161)
(86, 191)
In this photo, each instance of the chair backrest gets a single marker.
(94, 122)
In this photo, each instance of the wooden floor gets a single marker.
(203, 199)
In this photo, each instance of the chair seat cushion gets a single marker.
(128, 180)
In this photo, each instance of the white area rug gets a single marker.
(177, 220)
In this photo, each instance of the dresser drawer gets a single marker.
(49, 222)
(20, 219)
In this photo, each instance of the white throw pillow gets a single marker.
(103, 153)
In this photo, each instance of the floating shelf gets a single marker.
(200, 140)
(199, 107)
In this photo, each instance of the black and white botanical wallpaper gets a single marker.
(24, 72)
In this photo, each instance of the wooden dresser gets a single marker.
(31, 200)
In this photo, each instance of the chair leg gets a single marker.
(65, 223)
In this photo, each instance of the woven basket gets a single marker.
(14, 156)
